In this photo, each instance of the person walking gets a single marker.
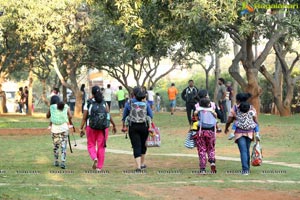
(26, 96)
(244, 116)
(107, 95)
(136, 112)
(121, 99)
(96, 117)
(158, 101)
(20, 99)
(172, 94)
(150, 99)
(229, 95)
(60, 115)
(83, 93)
(188, 95)
(206, 137)
(221, 99)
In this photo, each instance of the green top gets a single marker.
(120, 95)
(59, 117)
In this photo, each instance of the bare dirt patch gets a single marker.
(196, 193)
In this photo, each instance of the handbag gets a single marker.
(190, 142)
(153, 139)
(256, 157)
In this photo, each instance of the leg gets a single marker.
(56, 141)
(144, 135)
(91, 143)
(244, 145)
(211, 143)
(189, 108)
(135, 140)
(100, 147)
(201, 147)
(64, 144)
(224, 111)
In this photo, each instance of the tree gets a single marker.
(245, 30)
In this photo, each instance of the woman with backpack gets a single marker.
(97, 118)
(245, 124)
(136, 113)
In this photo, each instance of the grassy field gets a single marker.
(27, 171)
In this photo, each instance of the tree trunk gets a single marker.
(217, 76)
(30, 95)
(235, 83)
(44, 95)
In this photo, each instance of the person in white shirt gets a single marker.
(151, 97)
(107, 95)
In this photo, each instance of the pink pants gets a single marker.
(206, 145)
(95, 138)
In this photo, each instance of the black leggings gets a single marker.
(138, 134)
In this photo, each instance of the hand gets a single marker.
(114, 130)
(74, 130)
(257, 137)
(124, 129)
(82, 133)
(226, 131)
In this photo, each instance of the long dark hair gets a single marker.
(242, 97)
(96, 91)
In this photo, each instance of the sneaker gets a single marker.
(202, 171)
(95, 164)
(245, 173)
(138, 170)
(62, 165)
(56, 163)
(231, 136)
(219, 130)
(143, 166)
(213, 168)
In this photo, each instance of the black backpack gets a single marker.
(98, 117)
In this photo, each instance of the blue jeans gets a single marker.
(244, 147)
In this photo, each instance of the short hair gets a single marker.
(172, 84)
(120, 87)
(191, 81)
(202, 93)
(54, 100)
(241, 97)
(222, 80)
(108, 85)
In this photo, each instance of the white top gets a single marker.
(150, 95)
(107, 94)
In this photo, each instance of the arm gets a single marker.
(48, 115)
(70, 119)
(183, 95)
(149, 111)
(83, 121)
(229, 121)
(111, 120)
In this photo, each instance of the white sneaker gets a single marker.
(231, 136)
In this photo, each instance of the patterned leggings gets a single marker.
(206, 144)
(60, 139)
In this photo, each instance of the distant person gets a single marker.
(188, 95)
(107, 95)
(172, 94)
(83, 93)
(60, 115)
(221, 99)
(229, 95)
(96, 117)
(121, 98)
(151, 97)
(20, 99)
(158, 101)
(26, 95)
